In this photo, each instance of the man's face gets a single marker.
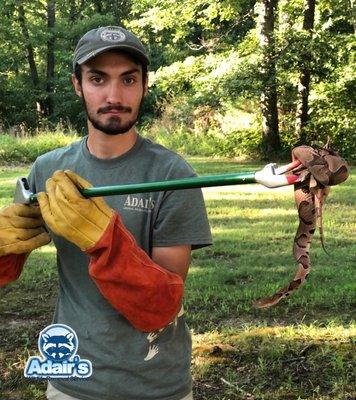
(112, 92)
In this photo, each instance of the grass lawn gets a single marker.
(303, 348)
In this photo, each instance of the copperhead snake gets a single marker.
(319, 169)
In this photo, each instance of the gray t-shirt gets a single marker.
(127, 364)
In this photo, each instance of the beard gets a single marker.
(114, 125)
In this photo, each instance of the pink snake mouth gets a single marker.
(291, 179)
(288, 167)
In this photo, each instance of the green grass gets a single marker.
(300, 349)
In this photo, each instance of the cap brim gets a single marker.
(128, 49)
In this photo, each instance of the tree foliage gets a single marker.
(208, 69)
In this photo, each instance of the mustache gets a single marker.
(106, 109)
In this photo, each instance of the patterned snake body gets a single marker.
(319, 169)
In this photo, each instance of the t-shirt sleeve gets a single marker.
(32, 179)
(182, 217)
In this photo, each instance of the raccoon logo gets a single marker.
(58, 348)
(58, 344)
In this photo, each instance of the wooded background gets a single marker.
(239, 77)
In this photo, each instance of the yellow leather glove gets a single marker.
(21, 229)
(68, 214)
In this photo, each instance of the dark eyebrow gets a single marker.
(130, 71)
(102, 73)
(95, 71)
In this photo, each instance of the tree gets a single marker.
(305, 74)
(270, 129)
(51, 19)
(31, 59)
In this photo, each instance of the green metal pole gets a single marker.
(175, 184)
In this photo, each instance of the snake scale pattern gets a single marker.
(319, 169)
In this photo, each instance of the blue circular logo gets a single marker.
(58, 342)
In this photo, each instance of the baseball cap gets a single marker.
(105, 38)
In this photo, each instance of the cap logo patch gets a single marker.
(112, 35)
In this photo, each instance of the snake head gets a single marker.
(325, 165)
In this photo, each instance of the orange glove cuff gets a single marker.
(146, 294)
(11, 267)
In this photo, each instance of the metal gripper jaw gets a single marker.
(22, 192)
(273, 177)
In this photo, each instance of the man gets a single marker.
(122, 262)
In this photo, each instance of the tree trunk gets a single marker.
(51, 19)
(72, 12)
(30, 59)
(302, 109)
(98, 6)
(352, 15)
(271, 140)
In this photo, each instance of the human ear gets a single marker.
(77, 86)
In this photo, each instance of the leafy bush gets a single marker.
(204, 101)
(24, 150)
(331, 113)
(211, 80)
(206, 133)
(245, 142)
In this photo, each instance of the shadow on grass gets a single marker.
(222, 285)
(274, 363)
